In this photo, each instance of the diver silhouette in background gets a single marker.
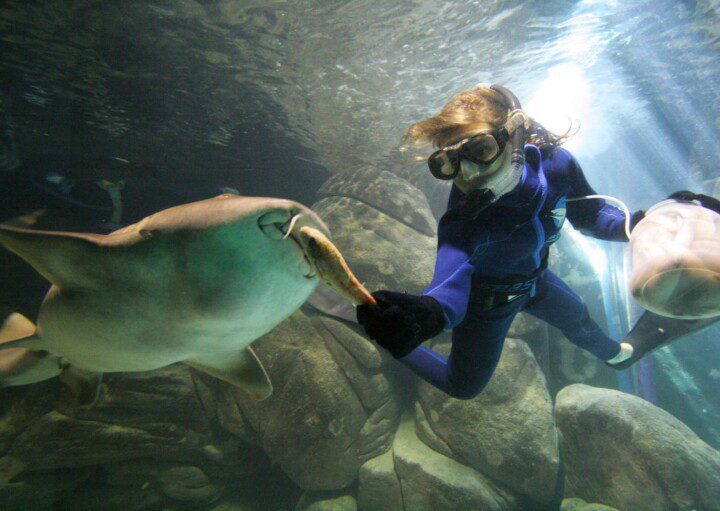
(98, 192)
(55, 190)
(513, 188)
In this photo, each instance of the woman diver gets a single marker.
(506, 207)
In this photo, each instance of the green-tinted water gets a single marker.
(111, 111)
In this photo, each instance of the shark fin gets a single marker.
(21, 366)
(26, 221)
(67, 259)
(242, 369)
(17, 331)
(21, 360)
(84, 385)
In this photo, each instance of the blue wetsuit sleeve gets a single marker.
(451, 281)
(593, 217)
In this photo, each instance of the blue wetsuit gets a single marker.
(502, 252)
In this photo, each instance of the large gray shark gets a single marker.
(195, 283)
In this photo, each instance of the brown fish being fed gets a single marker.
(332, 268)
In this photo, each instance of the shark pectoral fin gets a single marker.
(22, 360)
(21, 366)
(62, 258)
(17, 331)
(84, 385)
(69, 259)
(242, 369)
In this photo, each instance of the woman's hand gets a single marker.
(401, 322)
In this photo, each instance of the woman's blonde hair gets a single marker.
(470, 111)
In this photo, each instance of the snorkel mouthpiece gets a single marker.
(500, 184)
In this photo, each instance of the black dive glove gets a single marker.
(706, 201)
(401, 322)
(635, 218)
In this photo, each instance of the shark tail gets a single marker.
(22, 360)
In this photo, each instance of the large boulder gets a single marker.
(431, 481)
(385, 192)
(581, 505)
(327, 501)
(330, 411)
(624, 452)
(378, 485)
(147, 440)
(507, 433)
(383, 226)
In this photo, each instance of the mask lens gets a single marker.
(444, 164)
(481, 149)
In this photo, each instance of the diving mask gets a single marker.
(483, 148)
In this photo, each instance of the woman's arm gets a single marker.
(450, 285)
(400, 322)
(593, 216)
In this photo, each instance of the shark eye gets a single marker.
(276, 224)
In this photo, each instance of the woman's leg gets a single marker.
(476, 347)
(555, 303)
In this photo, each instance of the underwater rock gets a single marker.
(379, 486)
(328, 414)
(437, 191)
(384, 192)
(384, 247)
(148, 440)
(624, 452)
(581, 505)
(136, 416)
(187, 484)
(431, 481)
(524, 326)
(384, 227)
(382, 252)
(364, 351)
(371, 386)
(41, 491)
(507, 432)
(323, 501)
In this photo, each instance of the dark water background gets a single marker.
(179, 98)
